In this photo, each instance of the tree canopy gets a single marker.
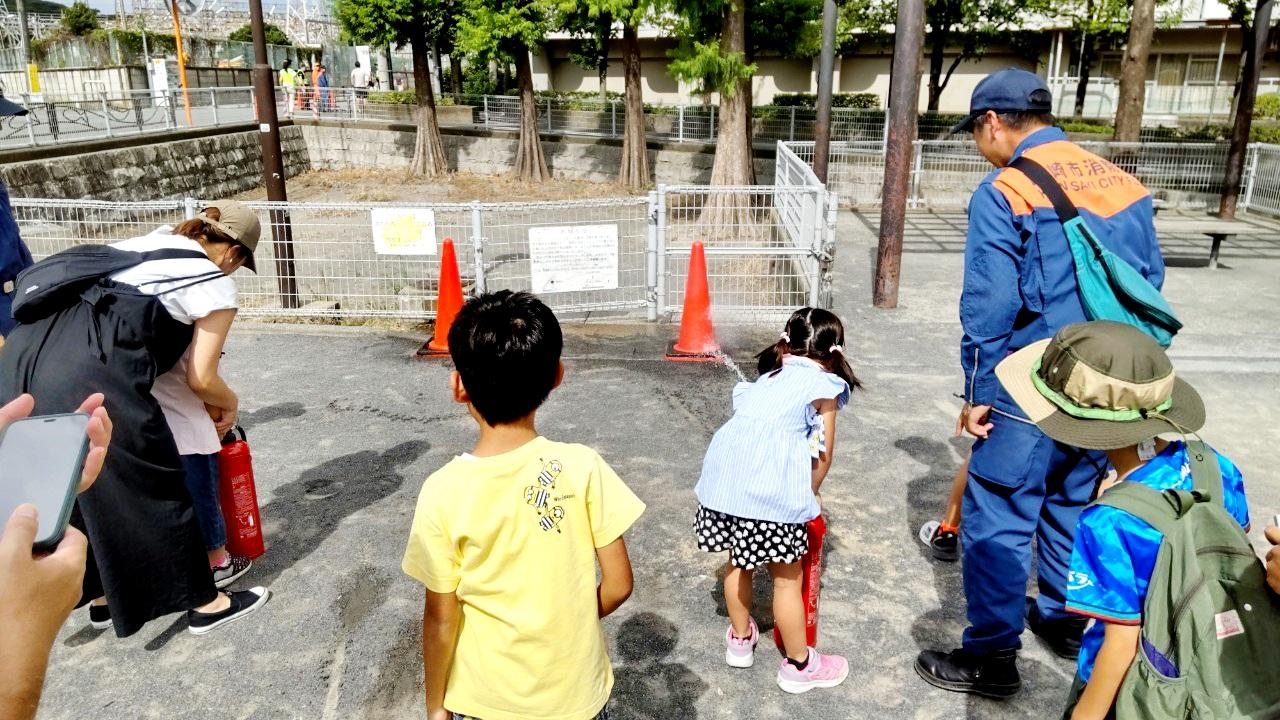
(789, 28)
(80, 19)
(275, 36)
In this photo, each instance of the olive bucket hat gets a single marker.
(238, 223)
(1100, 385)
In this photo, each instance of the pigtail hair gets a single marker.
(769, 360)
(839, 364)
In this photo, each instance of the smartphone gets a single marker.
(41, 460)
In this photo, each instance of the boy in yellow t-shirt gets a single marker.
(507, 538)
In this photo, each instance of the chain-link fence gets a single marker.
(944, 172)
(601, 258)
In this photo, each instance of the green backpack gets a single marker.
(1210, 645)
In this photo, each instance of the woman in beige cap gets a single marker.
(154, 332)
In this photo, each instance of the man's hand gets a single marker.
(1273, 559)
(98, 429)
(36, 596)
(973, 419)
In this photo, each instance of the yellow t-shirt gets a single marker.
(514, 536)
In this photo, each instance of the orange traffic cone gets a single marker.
(697, 341)
(448, 303)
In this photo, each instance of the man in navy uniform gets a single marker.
(14, 256)
(1020, 287)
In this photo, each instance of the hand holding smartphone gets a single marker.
(46, 461)
(41, 461)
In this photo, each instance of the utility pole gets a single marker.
(25, 38)
(182, 61)
(273, 171)
(904, 100)
(826, 72)
(1234, 174)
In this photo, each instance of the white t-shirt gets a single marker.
(192, 428)
(359, 78)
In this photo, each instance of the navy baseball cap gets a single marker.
(1009, 90)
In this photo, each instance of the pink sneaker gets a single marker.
(823, 671)
(741, 652)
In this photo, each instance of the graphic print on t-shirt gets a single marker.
(539, 496)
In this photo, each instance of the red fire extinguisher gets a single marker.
(239, 497)
(810, 588)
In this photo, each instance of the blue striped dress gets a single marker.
(759, 464)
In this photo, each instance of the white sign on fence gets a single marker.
(568, 258)
(404, 231)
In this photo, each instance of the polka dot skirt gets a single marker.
(750, 543)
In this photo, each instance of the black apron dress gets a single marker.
(146, 552)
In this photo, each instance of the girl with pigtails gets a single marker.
(760, 485)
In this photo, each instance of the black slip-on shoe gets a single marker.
(236, 566)
(994, 675)
(243, 602)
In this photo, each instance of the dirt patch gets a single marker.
(360, 185)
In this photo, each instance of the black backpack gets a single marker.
(56, 282)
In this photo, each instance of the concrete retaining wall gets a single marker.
(334, 145)
(192, 163)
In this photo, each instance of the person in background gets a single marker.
(288, 83)
(359, 85)
(14, 255)
(38, 592)
(324, 96)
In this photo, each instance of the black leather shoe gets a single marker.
(1062, 636)
(994, 675)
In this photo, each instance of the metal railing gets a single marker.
(105, 116)
(621, 257)
(1192, 99)
(944, 173)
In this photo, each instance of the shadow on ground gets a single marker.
(645, 687)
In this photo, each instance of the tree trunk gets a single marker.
(455, 70)
(531, 164)
(1255, 45)
(732, 164)
(428, 151)
(1082, 83)
(604, 28)
(634, 173)
(1133, 71)
(937, 56)
(435, 53)
(391, 76)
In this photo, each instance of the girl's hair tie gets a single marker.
(836, 349)
(785, 337)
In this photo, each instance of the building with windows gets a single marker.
(1192, 71)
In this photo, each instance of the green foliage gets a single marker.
(1083, 126)
(476, 79)
(1265, 134)
(395, 22)
(860, 101)
(275, 36)
(715, 71)
(44, 7)
(80, 19)
(404, 97)
(1267, 107)
(498, 29)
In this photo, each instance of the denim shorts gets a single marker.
(202, 483)
(604, 715)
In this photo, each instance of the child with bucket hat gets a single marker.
(1109, 386)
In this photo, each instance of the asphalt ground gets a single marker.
(344, 426)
